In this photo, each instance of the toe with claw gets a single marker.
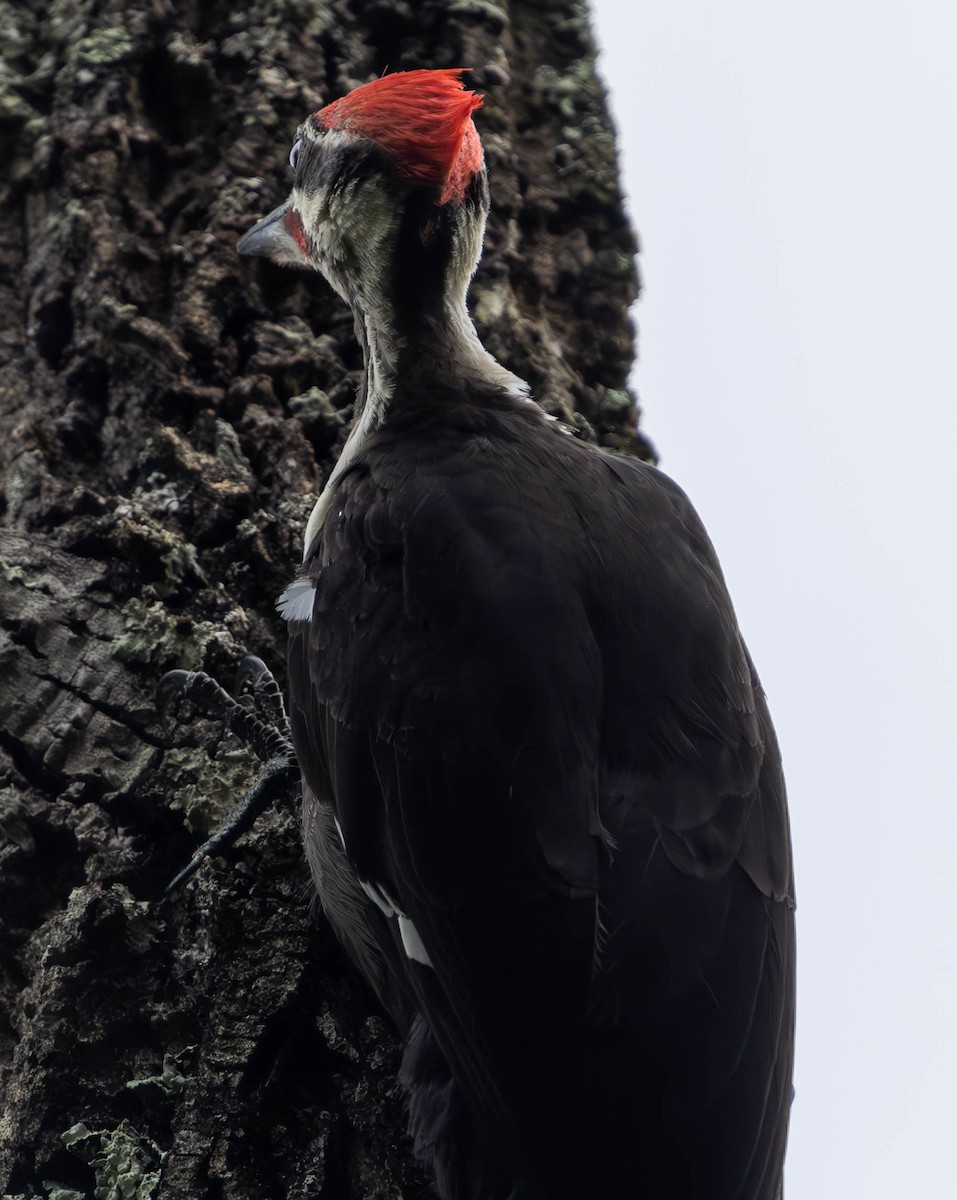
(260, 723)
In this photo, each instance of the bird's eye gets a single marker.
(294, 153)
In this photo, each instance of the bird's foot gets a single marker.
(263, 727)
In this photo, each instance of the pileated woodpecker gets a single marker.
(542, 799)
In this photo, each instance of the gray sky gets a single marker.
(792, 175)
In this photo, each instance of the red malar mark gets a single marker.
(423, 120)
(294, 226)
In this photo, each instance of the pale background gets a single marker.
(791, 169)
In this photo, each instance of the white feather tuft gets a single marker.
(297, 601)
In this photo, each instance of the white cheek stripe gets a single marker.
(316, 518)
(371, 417)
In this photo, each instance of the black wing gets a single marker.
(525, 696)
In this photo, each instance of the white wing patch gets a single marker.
(412, 943)
(297, 601)
(378, 898)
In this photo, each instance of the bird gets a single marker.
(542, 801)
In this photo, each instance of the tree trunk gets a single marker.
(170, 412)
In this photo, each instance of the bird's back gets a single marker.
(544, 784)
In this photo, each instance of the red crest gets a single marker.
(423, 120)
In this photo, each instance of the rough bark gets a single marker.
(169, 413)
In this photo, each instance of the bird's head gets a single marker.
(389, 198)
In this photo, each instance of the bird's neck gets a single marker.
(413, 357)
(431, 352)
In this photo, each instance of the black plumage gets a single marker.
(524, 693)
(543, 799)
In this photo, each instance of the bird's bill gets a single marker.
(278, 236)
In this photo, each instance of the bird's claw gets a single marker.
(172, 687)
(270, 743)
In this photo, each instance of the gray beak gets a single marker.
(275, 237)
